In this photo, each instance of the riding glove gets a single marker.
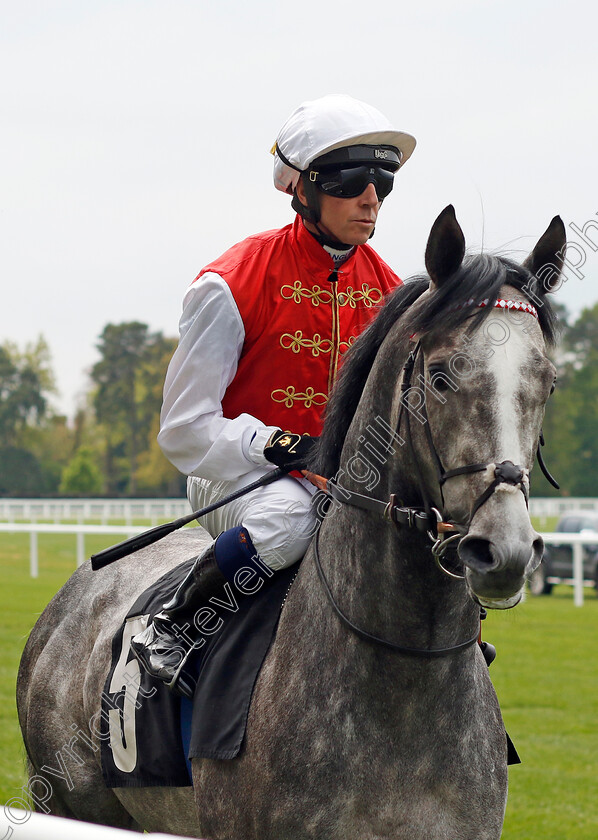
(289, 451)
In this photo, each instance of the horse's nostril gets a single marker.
(477, 554)
(537, 554)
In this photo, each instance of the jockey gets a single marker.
(262, 335)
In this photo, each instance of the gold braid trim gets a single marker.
(290, 396)
(344, 345)
(295, 342)
(351, 297)
(317, 344)
(317, 295)
(296, 292)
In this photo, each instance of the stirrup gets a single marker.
(183, 683)
(173, 675)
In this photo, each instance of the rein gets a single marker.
(425, 519)
(430, 653)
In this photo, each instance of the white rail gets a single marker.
(34, 528)
(557, 506)
(26, 825)
(577, 541)
(104, 510)
(155, 510)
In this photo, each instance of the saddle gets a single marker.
(148, 733)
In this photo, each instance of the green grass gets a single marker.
(23, 599)
(547, 682)
(545, 676)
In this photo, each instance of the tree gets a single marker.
(129, 379)
(571, 422)
(20, 473)
(582, 396)
(25, 382)
(581, 339)
(584, 392)
(156, 474)
(53, 444)
(81, 476)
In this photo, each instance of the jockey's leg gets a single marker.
(279, 516)
(276, 529)
(167, 643)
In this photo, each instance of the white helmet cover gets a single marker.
(328, 123)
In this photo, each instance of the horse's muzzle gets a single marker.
(496, 571)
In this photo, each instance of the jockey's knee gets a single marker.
(282, 538)
(278, 517)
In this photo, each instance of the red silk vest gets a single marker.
(299, 320)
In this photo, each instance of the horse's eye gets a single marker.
(553, 386)
(438, 379)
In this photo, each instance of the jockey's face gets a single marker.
(349, 220)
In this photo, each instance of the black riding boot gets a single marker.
(163, 648)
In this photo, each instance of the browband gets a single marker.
(501, 303)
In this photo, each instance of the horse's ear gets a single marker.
(546, 260)
(446, 247)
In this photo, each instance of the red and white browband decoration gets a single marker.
(501, 303)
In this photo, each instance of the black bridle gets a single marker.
(426, 518)
(505, 472)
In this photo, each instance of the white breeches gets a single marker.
(278, 517)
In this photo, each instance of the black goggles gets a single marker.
(352, 181)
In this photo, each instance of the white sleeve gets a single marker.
(194, 435)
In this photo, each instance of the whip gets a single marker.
(128, 546)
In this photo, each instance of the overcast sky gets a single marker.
(135, 139)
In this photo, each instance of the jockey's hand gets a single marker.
(288, 450)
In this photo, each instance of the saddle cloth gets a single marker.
(145, 735)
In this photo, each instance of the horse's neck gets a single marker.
(387, 583)
(383, 577)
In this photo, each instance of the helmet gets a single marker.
(331, 122)
(329, 131)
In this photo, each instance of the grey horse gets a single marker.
(374, 715)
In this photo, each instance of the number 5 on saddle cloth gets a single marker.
(140, 729)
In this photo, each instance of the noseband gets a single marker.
(426, 518)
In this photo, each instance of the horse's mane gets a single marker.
(455, 302)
